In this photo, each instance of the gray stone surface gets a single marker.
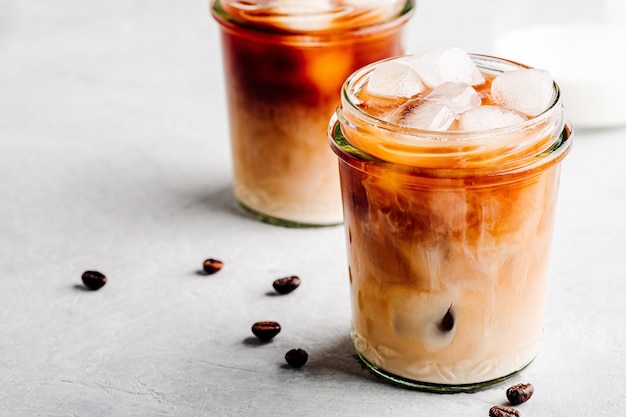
(114, 156)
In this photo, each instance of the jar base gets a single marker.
(282, 222)
(433, 387)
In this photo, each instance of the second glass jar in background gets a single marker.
(284, 64)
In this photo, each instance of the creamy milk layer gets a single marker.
(282, 165)
(478, 255)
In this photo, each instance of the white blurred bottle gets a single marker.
(582, 43)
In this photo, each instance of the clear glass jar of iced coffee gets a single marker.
(284, 64)
(449, 178)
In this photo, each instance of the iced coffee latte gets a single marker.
(449, 167)
(284, 64)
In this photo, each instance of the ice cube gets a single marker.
(425, 115)
(488, 117)
(439, 65)
(528, 91)
(393, 79)
(458, 97)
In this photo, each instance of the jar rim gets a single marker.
(346, 18)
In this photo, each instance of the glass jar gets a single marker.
(284, 64)
(448, 239)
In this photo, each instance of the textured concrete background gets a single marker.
(114, 156)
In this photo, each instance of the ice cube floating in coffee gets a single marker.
(443, 89)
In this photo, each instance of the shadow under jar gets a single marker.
(448, 237)
(284, 64)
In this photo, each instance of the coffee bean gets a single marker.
(520, 393)
(211, 266)
(287, 284)
(447, 323)
(502, 411)
(265, 330)
(94, 280)
(296, 358)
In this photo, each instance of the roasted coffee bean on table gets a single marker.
(265, 330)
(287, 284)
(211, 266)
(520, 393)
(296, 358)
(503, 411)
(94, 280)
